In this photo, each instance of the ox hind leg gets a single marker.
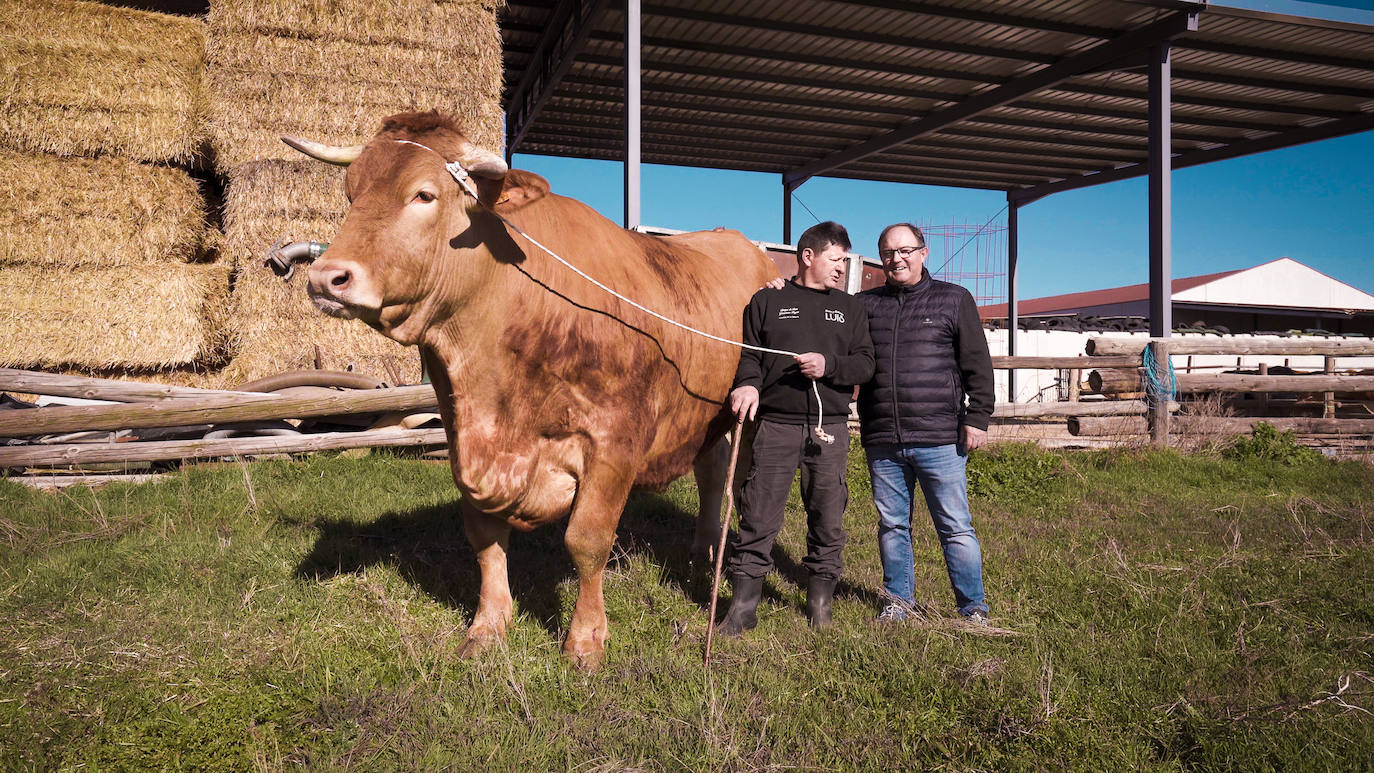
(601, 497)
(490, 537)
(711, 468)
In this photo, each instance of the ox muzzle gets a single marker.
(329, 285)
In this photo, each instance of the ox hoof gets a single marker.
(702, 553)
(473, 646)
(587, 661)
(701, 571)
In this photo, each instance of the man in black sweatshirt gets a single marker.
(927, 406)
(812, 315)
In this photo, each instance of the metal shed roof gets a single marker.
(1028, 97)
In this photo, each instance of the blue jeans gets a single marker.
(895, 470)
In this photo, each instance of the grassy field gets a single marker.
(1169, 612)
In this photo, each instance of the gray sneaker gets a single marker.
(892, 613)
(979, 618)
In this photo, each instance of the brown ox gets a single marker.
(557, 398)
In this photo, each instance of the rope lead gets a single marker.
(461, 176)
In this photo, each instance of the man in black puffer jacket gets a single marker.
(927, 406)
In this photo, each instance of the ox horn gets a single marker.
(481, 162)
(332, 154)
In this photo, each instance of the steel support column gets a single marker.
(632, 111)
(1161, 239)
(1013, 317)
(1161, 195)
(787, 188)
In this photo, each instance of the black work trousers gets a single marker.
(778, 450)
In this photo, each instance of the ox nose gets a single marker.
(336, 285)
(334, 279)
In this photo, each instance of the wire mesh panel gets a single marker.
(973, 255)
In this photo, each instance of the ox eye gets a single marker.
(424, 196)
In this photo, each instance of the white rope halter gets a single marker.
(461, 175)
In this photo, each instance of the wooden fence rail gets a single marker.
(220, 409)
(1240, 382)
(1117, 381)
(1100, 426)
(1031, 362)
(1066, 409)
(1113, 366)
(165, 450)
(37, 382)
(1199, 345)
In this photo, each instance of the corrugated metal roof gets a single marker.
(780, 85)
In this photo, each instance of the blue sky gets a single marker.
(1313, 203)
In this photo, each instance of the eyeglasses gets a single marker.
(905, 252)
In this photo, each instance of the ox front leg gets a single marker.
(591, 533)
(490, 538)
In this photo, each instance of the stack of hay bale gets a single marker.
(103, 230)
(330, 72)
(117, 125)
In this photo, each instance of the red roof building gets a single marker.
(1277, 296)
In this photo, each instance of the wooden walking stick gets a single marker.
(735, 441)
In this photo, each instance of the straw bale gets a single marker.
(111, 317)
(108, 211)
(241, 51)
(411, 23)
(336, 118)
(82, 78)
(331, 71)
(270, 201)
(273, 326)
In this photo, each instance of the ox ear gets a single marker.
(521, 188)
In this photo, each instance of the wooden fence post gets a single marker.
(1264, 397)
(1329, 398)
(1159, 403)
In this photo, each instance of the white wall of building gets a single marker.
(1283, 282)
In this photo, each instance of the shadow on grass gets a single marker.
(796, 573)
(428, 549)
(664, 530)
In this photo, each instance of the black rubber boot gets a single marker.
(820, 592)
(743, 614)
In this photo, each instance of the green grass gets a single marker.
(1203, 612)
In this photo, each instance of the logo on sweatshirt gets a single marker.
(789, 312)
(834, 315)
